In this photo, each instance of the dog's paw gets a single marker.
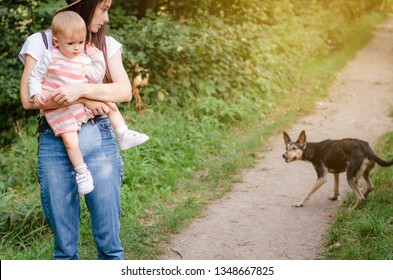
(297, 205)
(358, 204)
(333, 198)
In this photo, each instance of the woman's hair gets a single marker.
(86, 9)
(68, 23)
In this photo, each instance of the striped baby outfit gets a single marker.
(56, 70)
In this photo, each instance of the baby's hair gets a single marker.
(68, 22)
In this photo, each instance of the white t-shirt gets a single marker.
(35, 46)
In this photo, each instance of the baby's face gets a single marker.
(71, 45)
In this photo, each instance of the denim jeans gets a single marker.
(59, 192)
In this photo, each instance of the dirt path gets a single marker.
(256, 220)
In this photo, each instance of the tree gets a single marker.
(18, 19)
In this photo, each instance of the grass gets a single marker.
(188, 163)
(366, 234)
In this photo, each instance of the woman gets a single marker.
(59, 194)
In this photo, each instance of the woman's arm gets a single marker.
(99, 107)
(30, 62)
(118, 91)
(100, 95)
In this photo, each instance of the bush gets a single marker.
(205, 64)
(209, 57)
(18, 19)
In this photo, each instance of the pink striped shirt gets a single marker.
(56, 70)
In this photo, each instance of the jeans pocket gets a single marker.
(105, 128)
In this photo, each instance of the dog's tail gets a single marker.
(374, 157)
(380, 161)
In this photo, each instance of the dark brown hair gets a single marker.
(86, 9)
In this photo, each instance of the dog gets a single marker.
(353, 156)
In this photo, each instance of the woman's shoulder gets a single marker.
(36, 45)
(112, 46)
(40, 38)
(110, 39)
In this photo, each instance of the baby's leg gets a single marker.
(116, 119)
(127, 138)
(83, 176)
(71, 144)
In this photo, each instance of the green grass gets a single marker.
(366, 234)
(188, 163)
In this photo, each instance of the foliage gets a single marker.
(215, 66)
(194, 49)
(208, 56)
(21, 218)
(18, 19)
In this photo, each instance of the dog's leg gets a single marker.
(356, 170)
(366, 176)
(316, 186)
(370, 186)
(359, 196)
(336, 185)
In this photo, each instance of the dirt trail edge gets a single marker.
(256, 220)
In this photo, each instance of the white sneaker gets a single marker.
(85, 182)
(130, 139)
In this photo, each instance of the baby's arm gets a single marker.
(35, 79)
(96, 72)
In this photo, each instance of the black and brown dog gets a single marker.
(353, 156)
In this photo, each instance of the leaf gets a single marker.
(161, 96)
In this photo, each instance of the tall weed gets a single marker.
(21, 218)
(218, 88)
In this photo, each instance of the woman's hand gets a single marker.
(68, 94)
(98, 107)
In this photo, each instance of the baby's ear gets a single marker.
(55, 41)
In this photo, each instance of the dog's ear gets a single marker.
(302, 139)
(287, 139)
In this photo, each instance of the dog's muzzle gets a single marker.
(287, 159)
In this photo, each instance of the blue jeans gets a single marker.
(59, 192)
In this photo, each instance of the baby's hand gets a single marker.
(46, 95)
(39, 100)
(91, 49)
